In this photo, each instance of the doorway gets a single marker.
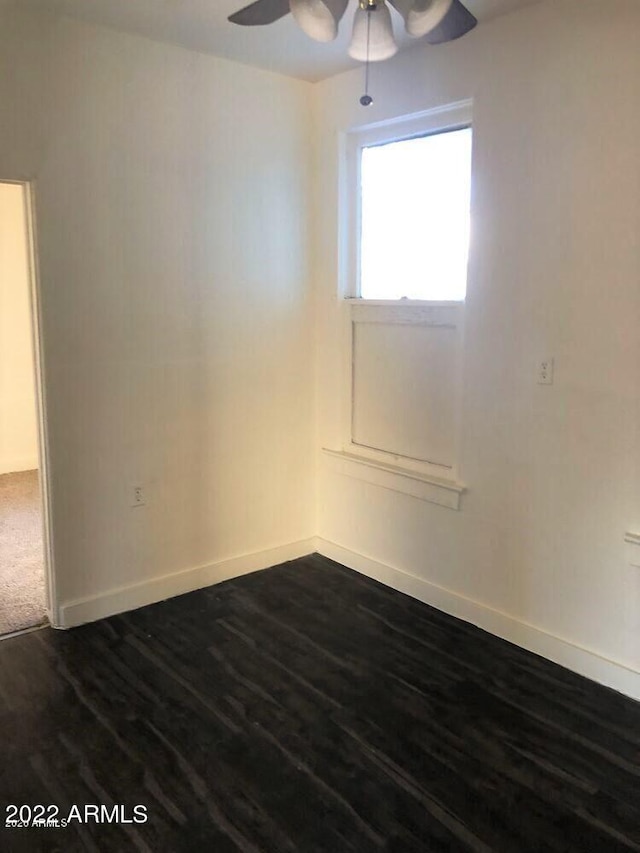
(24, 552)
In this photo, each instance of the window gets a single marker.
(406, 208)
(415, 197)
(404, 214)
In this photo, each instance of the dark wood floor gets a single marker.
(308, 709)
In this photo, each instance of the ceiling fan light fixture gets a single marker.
(426, 15)
(381, 42)
(315, 19)
(438, 21)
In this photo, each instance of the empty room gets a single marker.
(335, 388)
(22, 581)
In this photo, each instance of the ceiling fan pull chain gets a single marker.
(366, 100)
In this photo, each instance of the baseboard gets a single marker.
(16, 466)
(584, 661)
(73, 613)
(564, 652)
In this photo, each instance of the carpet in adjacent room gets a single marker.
(22, 591)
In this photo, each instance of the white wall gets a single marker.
(552, 472)
(172, 196)
(18, 419)
(172, 208)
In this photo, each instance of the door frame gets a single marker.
(35, 304)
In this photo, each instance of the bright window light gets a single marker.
(415, 218)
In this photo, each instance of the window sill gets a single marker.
(425, 487)
(406, 303)
(404, 312)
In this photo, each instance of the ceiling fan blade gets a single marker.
(260, 13)
(456, 23)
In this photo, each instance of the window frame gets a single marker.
(427, 481)
(428, 315)
(421, 479)
(445, 119)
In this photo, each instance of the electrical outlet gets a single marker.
(138, 497)
(545, 371)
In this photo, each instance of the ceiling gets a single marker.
(202, 25)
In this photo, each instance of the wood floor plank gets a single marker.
(306, 709)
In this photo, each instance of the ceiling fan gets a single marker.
(437, 21)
